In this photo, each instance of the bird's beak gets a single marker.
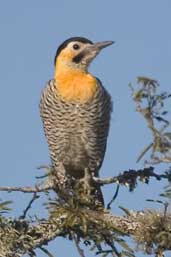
(91, 51)
(100, 45)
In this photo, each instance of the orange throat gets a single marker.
(75, 85)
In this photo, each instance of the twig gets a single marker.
(127, 175)
(144, 152)
(104, 251)
(114, 197)
(31, 253)
(45, 251)
(150, 104)
(35, 196)
(124, 178)
(111, 244)
(76, 241)
(159, 134)
(26, 189)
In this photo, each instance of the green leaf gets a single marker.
(4, 206)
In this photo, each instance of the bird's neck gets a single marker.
(74, 85)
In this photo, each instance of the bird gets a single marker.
(75, 109)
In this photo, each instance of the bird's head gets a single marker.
(78, 52)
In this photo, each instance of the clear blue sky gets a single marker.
(30, 34)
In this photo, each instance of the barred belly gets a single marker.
(76, 133)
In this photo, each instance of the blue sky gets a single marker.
(30, 34)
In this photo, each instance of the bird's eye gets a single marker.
(76, 46)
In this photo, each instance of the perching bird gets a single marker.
(75, 109)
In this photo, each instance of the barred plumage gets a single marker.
(75, 109)
(76, 133)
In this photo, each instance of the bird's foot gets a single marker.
(62, 182)
(86, 182)
(84, 188)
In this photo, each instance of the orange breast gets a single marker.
(76, 86)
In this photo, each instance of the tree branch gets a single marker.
(35, 196)
(26, 189)
(127, 177)
(147, 229)
(131, 176)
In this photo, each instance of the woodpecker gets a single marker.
(75, 110)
